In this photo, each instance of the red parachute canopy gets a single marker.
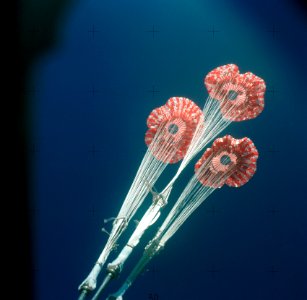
(175, 122)
(229, 160)
(241, 95)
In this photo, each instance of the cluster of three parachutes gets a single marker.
(241, 97)
(177, 131)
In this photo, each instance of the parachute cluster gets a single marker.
(178, 131)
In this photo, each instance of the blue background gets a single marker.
(91, 97)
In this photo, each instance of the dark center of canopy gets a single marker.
(173, 128)
(225, 160)
(232, 95)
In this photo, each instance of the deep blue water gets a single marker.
(89, 119)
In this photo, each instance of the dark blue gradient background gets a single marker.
(256, 229)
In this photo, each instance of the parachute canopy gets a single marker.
(229, 161)
(241, 95)
(171, 128)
